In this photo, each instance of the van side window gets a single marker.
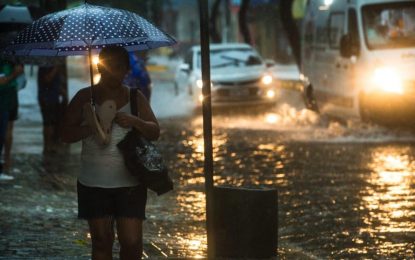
(354, 31)
(335, 29)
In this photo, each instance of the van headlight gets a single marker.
(266, 79)
(387, 80)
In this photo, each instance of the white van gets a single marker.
(358, 58)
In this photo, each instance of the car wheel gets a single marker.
(309, 99)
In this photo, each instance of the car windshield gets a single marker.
(240, 57)
(389, 25)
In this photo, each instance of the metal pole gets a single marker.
(207, 124)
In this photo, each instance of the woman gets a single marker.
(107, 193)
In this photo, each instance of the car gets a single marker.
(239, 76)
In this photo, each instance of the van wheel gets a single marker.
(309, 99)
(363, 110)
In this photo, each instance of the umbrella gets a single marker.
(86, 29)
(13, 18)
(15, 14)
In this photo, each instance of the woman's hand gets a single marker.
(125, 120)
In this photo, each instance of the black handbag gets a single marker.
(143, 159)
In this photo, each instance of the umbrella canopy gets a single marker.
(87, 27)
(13, 18)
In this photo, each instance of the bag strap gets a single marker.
(133, 101)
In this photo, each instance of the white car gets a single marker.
(239, 76)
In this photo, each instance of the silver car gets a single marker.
(239, 76)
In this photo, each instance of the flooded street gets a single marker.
(346, 190)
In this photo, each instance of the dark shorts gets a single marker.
(96, 202)
(50, 113)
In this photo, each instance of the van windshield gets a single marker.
(389, 25)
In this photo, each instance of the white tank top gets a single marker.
(103, 165)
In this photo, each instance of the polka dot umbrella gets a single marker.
(84, 30)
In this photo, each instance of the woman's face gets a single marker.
(113, 68)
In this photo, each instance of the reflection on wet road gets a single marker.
(353, 199)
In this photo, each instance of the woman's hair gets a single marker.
(115, 53)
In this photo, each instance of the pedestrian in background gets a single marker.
(107, 192)
(52, 97)
(13, 116)
(8, 110)
(138, 76)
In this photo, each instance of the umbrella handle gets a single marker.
(91, 75)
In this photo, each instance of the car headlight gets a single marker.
(388, 80)
(270, 93)
(199, 83)
(266, 79)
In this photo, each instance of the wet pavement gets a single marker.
(346, 190)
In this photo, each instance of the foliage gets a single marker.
(149, 9)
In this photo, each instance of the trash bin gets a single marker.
(245, 222)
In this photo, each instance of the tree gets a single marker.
(51, 6)
(291, 29)
(243, 23)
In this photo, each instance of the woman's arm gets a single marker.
(71, 128)
(146, 123)
(18, 69)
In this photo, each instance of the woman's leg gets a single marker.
(8, 146)
(102, 236)
(4, 120)
(130, 236)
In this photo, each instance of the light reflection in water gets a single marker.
(236, 170)
(197, 143)
(271, 118)
(193, 206)
(389, 198)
